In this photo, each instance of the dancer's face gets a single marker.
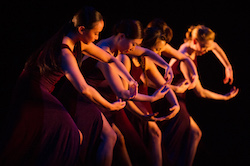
(91, 35)
(126, 45)
(158, 47)
(203, 47)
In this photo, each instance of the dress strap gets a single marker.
(65, 46)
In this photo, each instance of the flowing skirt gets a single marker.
(88, 119)
(38, 130)
(175, 134)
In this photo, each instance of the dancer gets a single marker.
(124, 36)
(181, 134)
(162, 47)
(199, 40)
(176, 131)
(40, 131)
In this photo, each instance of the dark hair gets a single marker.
(156, 29)
(131, 28)
(87, 17)
(47, 58)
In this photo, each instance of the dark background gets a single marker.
(225, 124)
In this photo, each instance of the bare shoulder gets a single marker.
(66, 53)
(183, 47)
(103, 44)
(123, 58)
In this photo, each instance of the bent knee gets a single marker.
(196, 132)
(155, 131)
(109, 137)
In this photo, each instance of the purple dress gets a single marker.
(39, 131)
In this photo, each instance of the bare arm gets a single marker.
(157, 59)
(220, 54)
(73, 74)
(155, 76)
(131, 105)
(121, 88)
(204, 93)
(169, 51)
(96, 52)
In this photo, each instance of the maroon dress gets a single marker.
(39, 131)
(176, 131)
(87, 117)
(140, 125)
(138, 153)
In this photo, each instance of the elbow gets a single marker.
(200, 94)
(125, 95)
(111, 60)
(86, 91)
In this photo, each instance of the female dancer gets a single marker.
(162, 47)
(41, 131)
(177, 129)
(122, 43)
(176, 135)
(199, 40)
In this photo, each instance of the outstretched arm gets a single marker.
(73, 74)
(170, 52)
(130, 104)
(96, 52)
(155, 76)
(121, 88)
(220, 54)
(205, 93)
(157, 59)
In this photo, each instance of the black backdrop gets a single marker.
(27, 24)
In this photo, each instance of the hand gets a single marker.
(160, 93)
(174, 110)
(150, 117)
(169, 75)
(133, 89)
(183, 86)
(194, 80)
(233, 92)
(228, 76)
(117, 105)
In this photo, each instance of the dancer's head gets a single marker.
(129, 33)
(157, 35)
(88, 23)
(85, 25)
(201, 38)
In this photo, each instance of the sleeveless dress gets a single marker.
(140, 125)
(39, 130)
(87, 117)
(138, 153)
(176, 131)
